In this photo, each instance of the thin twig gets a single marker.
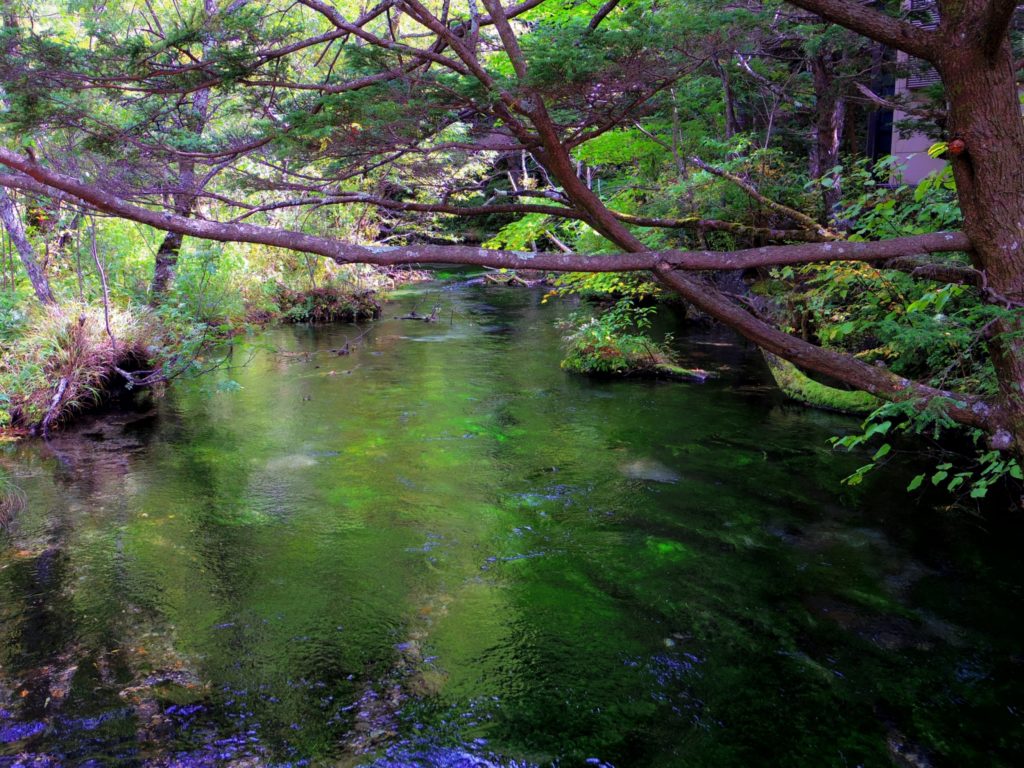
(103, 282)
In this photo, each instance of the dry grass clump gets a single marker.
(67, 360)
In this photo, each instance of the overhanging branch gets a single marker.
(342, 252)
(880, 382)
(858, 16)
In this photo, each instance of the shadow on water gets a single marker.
(441, 550)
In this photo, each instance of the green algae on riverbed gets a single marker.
(457, 555)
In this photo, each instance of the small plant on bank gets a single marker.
(615, 343)
(328, 304)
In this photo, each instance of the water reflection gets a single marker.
(440, 550)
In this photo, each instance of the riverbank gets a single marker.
(63, 360)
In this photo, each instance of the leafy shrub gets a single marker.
(329, 304)
(614, 343)
(12, 315)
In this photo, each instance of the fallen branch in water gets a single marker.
(414, 315)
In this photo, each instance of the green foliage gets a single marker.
(327, 305)
(13, 314)
(931, 331)
(918, 328)
(521, 234)
(963, 476)
(614, 342)
(621, 147)
(605, 285)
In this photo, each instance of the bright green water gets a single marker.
(443, 551)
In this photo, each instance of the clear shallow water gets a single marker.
(443, 551)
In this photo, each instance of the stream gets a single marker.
(442, 550)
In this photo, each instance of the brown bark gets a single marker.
(41, 178)
(859, 16)
(165, 262)
(848, 369)
(165, 265)
(984, 112)
(829, 118)
(602, 12)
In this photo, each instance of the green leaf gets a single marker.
(939, 476)
(915, 483)
(881, 428)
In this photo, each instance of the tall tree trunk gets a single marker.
(166, 261)
(9, 214)
(829, 118)
(984, 113)
(165, 265)
(16, 230)
(732, 124)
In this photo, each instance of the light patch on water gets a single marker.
(292, 461)
(649, 469)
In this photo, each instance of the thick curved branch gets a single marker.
(965, 409)
(858, 16)
(996, 23)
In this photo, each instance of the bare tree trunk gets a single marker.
(164, 266)
(830, 113)
(732, 126)
(166, 261)
(9, 214)
(16, 231)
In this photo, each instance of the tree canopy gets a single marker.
(624, 136)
